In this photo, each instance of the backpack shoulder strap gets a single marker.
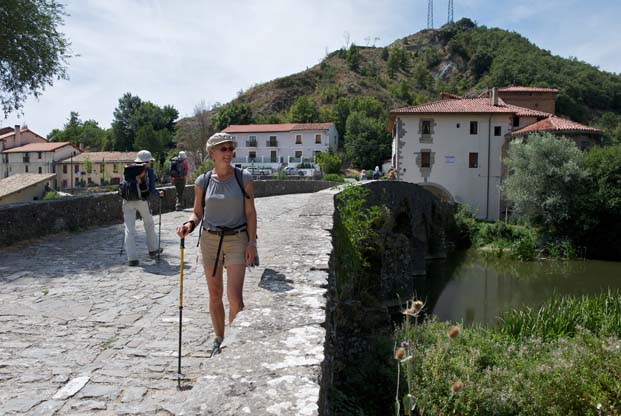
(239, 177)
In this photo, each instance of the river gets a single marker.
(477, 288)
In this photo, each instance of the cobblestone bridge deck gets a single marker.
(83, 333)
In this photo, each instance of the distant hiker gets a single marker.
(178, 171)
(376, 173)
(363, 175)
(138, 184)
(224, 208)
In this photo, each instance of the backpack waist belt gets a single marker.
(227, 232)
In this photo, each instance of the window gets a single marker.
(298, 139)
(516, 121)
(26, 168)
(115, 167)
(317, 138)
(40, 155)
(458, 125)
(473, 160)
(102, 168)
(497, 130)
(64, 168)
(273, 156)
(40, 169)
(76, 168)
(273, 142)
(252, 141)
(298, 154)
(426, 126)
(252, 155)
(425, 159)
(474, 127)
(65, 183)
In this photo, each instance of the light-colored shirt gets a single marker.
(224, 201)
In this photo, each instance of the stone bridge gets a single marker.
(82, 333)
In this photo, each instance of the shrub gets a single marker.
(333, 177)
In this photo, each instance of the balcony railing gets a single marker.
(251, 143)
(26, 159)
(271, 143)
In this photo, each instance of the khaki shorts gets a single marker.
(233, 249)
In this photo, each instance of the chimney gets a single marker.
(494, 97)
(18, 135)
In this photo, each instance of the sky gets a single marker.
(187, 52)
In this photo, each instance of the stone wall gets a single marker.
(28, 220)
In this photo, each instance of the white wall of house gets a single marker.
(69, 173)
(288, 147)
(458, 159)
(22, 138)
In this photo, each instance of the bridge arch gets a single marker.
(438, 191)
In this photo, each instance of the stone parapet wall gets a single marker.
(28, 220)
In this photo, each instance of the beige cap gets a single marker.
(219, 138)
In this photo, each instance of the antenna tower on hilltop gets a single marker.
(450, 11)
(429, 14)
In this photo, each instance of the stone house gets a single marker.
(95, 168)
(24, 187)
(454, 147)
(275, 145)
(15, 137)
(39, 157)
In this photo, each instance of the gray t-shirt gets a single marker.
(224, 201)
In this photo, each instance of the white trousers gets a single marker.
(129, 216)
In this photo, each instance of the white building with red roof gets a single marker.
(14, 137)
(454, 147)
(275, 145)
(93, 168)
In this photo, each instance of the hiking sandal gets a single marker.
(215, 348)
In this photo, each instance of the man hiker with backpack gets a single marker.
(225, 213)
(137, 186)
(178, 172)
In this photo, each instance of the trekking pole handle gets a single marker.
(182, 243)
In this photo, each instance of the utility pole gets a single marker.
(450, 11)
(429, 14)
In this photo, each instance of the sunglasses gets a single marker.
(227, 149)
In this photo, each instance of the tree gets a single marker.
(33, 52)
(366, 141)
(547, 182)
(304, 110)
(232, 113)
(132, 114)
(353, 58)
(329, 162)
(123, 128)
(192, 133)
(86, 133)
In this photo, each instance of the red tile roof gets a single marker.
(268, 128)
(39, 147)
(468, 106)
(556, 124)
(102, 156)
(12, 133)
(516, 88)
(17, 182)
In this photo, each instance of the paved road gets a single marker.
(83, 333)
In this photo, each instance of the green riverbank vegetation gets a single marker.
(563, 358)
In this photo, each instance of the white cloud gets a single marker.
(180, 53)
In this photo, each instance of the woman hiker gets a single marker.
(229, 235)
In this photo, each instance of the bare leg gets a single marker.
(234, 288)
(216, 307)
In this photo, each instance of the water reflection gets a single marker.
(478, 288)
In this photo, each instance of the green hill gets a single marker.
(460, 58)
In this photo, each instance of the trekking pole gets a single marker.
(159, 231)
(179, 375)
(122, 244)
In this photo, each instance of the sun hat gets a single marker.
(219, 138)
(182, 155)
(143, 156)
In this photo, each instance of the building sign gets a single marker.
(449, 159)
